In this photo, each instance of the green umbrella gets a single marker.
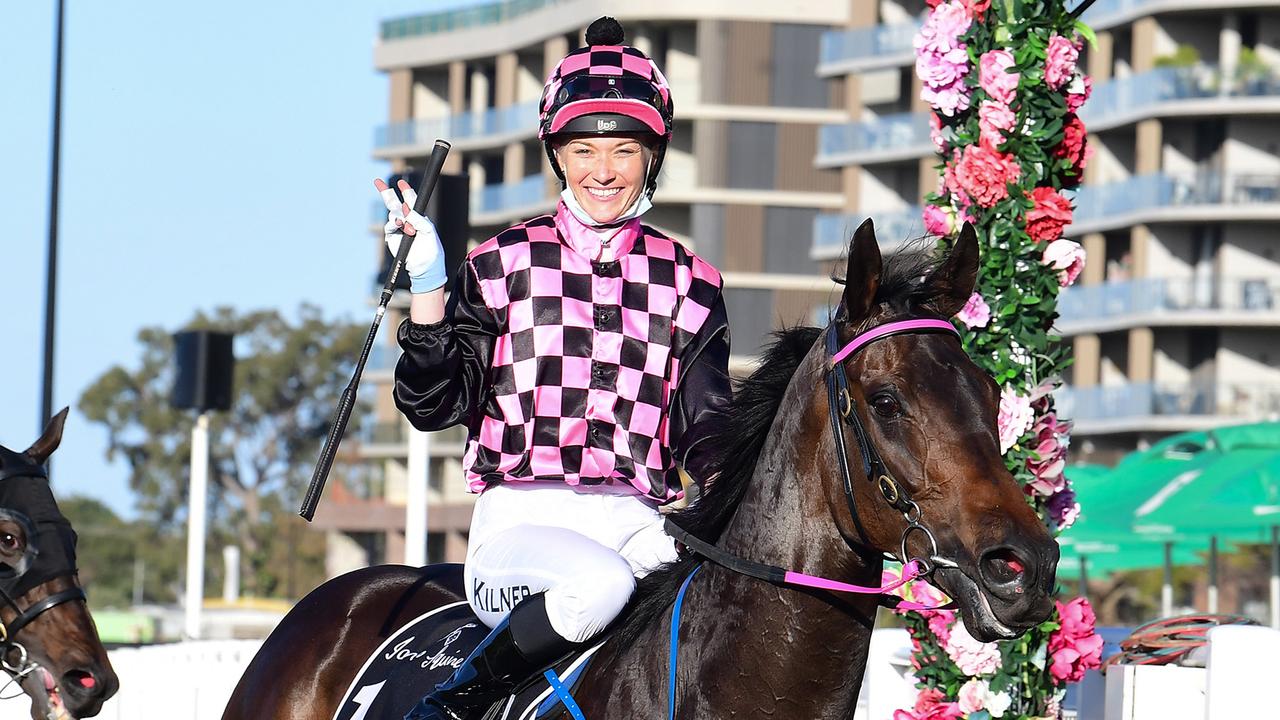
(1102, 539)
(1236, 495)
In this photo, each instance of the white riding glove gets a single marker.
(425, 262)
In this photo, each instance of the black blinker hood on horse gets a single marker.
(24, 485)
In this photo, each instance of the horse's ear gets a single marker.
(862, 276)
(41, 449)
(955, 277)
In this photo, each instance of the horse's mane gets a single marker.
(903, 288)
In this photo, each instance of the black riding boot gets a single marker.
(520, 646)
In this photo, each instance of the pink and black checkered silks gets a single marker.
(621, 61)
(584, 367)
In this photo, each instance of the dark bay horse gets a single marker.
(48, 641)
(910, 465)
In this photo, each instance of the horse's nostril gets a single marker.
(1003, 566)
(81, 680)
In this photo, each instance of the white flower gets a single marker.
(998, 703)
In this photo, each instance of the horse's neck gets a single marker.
(814, 641)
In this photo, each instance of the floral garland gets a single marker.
(1010, 144)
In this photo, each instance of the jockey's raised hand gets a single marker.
(425, 263)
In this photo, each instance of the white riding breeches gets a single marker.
(584, 549)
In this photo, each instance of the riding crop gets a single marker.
(348, 400)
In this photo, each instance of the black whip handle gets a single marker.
(348, 400)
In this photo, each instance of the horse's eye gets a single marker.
(9, 542)
(886, 405)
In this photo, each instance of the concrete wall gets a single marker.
(1170, 252)
(1252, 147)
(1250, 251)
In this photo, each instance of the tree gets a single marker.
(288, 378)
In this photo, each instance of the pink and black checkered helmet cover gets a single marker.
(605, 61)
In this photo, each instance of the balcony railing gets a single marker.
(1123, 99)
(1145, 296)
(831, 231)
(494, 122)
(1099, 203)
(460, 19)
(1147, 400)
(890, 137)
(863, 48)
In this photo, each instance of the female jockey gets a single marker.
(588, 356)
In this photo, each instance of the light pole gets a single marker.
(197, 494)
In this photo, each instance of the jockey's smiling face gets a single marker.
(606, 174)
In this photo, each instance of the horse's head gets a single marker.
(933, 472)
(47, 635)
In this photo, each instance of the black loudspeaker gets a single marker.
(450, 210)
(205, 368)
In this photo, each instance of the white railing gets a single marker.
(190, 680)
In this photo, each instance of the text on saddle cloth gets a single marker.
(425, 652)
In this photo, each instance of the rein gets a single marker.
(842, 405)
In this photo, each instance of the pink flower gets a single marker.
(994, 78)
(935, 133)
(943, 27)
(1065, 256)
(973, 695)
(971, 656)
(940, 624)
(1050, 459)
(930, 706)
(994, 120)
(1078, 91)
(940, 221)
(977, 7)
(919, 591)
(1060, 61)
(985, 174)
(1014, 419)
(1074, 647)
(975, 313)
(1051, 214)
(942, 60)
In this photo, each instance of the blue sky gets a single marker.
(212, 153)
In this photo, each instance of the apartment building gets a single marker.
(1175, 323)
(738, 185)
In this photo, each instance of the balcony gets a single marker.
(1147, 302)
(1165, 407)
(891, 138)
(868, 48)
(459, 19)
(894, 229)
(1198, 90)
(1161, 197)
(503, 203)
(465, 131)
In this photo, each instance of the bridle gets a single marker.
(16, 465)
(842, 405)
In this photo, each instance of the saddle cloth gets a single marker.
(425, 652)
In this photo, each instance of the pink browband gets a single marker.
(892, 328)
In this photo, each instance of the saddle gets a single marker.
(425, 651)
